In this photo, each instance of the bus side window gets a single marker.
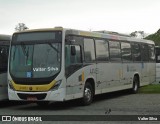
(144, 52)
(151, 53)
(126, 51)
(72, 59)
(115, 52)
(136, 52)
(67, 58)
(102, 53)
(157, 55)
(89, 50)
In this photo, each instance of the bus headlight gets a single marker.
(10, 85)
(56, 85)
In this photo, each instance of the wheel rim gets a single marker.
(135, 87)
(87, 94)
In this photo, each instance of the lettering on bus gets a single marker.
(45, 69)
(94, 70)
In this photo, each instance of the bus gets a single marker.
(157, 49)
(4, 50)
(60, 64)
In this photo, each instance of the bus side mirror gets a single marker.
(73, 50)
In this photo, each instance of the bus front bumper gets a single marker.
(56, 95)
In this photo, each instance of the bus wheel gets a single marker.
(43, 103)
(87, 94)
(135, 84)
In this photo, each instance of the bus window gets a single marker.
(89, 50)
(157, 55)
(115, 52)
(102, 53)
(72, 59)
(151, 53)
(144, 52)
(126, 51)
(136, 54)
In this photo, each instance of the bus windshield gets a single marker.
(35, 58)
(3, 57)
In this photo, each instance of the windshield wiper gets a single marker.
(51, 45)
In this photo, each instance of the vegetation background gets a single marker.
(155, 37)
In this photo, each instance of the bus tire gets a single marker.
(87, 94)
(135, 84)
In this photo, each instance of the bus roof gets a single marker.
(5, 37)
(97, 34)
(41, 29)
(114, 36)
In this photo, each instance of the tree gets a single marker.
(155, 37)
(142, 34)
(21, 27)
(134, 34)
(138, 34)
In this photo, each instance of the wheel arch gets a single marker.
(92, 82)
(138, 77)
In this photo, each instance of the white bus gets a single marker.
(4, 50)
(157, 64)
(62, 64)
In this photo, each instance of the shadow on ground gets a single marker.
(74, 103)
(7, 103)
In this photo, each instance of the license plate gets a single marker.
(31, 98)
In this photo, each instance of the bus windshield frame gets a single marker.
(30, 46)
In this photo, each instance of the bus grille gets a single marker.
(38, 96)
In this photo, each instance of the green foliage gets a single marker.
(152, 88)
(155, 37)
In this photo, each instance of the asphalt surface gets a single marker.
(118, 103)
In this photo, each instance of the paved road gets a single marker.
(119, 103)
